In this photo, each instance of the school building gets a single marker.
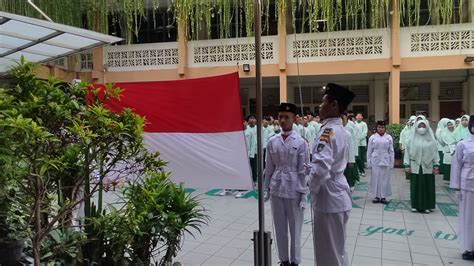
(394, 71)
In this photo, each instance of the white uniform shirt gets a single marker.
(380, 150)
(251, 141)
(310, 136)
(353, 130)
(328, 184)
(462, 165)
(284, 169)
(350, 156)
(362, 126)
(267, 134)
(316, 125)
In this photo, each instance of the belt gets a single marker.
(286, 168)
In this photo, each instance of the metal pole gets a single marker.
(258, 78)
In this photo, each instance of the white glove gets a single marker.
(303, 202)
(266, 195)
(458, 194)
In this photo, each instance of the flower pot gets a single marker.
(10, 252)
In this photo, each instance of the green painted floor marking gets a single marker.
(250, 194)
(362, 186)
(448, 209)
(213, 192)
(394, 205)
(354, 205)
(189, 190)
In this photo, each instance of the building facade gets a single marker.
(395, 71)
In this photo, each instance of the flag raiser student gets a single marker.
(329, 189)
(286, 186)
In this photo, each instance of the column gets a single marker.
(394, 81)
(98, 75)
(470, 81)
(372, 101)
(435, 109)
(182, 49)
(394, 96)
(282, 57)
(380, 98)
(465, 96)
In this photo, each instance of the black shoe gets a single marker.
(468, 255)
(384, 201)
(293, 264)
(284, 263)
(376, 200)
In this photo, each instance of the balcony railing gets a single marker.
(150, 56)
(337, 46)
(453, 39)
(230, 52)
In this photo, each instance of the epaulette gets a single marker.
(326, 135)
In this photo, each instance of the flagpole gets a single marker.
(259, 253)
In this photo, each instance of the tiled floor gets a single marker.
(377, 234)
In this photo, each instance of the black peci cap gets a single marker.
(380, 123)
(288, 107)
(343, 96)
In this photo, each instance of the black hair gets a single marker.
(250, 116)
(309, 113)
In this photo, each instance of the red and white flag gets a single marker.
(196, 125)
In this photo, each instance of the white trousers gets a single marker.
(380, 181)
(288, 217)
(466, 220)
(329, 238)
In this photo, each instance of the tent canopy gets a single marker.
(42, 41)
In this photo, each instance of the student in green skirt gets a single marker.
(421, 160)
(449, 140)
(351, 173)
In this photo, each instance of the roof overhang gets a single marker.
(43, 41)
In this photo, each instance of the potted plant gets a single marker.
(395, 130)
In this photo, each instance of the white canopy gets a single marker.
(41, 41)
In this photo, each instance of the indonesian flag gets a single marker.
(196, 125)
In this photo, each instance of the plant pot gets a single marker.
(10, 252)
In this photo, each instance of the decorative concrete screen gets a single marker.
(142, 56)
(342, 45)
(229, 52)
(453, 39)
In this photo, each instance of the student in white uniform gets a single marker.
(380, 157)
(286, 186)
(351, 173)
(251, 141)
(330, 192)
(462, 181)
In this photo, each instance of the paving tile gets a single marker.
(365, 261)
(426, 259)
(193, 258)
(398, 246)
(207, 249)
(368, 252)
(386, 262)
(218, 261)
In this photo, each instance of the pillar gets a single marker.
(435, 109)
(394, 81)
(465, 96)
(182, 49)
(282, 56)
(380, 98)
(372, 100)
(394, 96)
(470, 81)
(98, 74)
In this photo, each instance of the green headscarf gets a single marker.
(461, 131)
(439, 130)
(407, 131)
(448, 137)
(423, 148)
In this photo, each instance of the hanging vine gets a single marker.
(198, 16)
